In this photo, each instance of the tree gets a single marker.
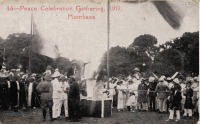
(17, 54)
(143, 51)
(181, 54)
(119, 60)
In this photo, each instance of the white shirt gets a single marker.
(120, 88)
(57, 88)
(182, 89)
(64, 86)
(135, 87)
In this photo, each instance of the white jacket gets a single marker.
(57, 89)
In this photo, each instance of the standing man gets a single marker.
(183, 86)
(57, 93)
(74, 100)
(45, 88)
(162, 90)
(188, 92)
(142, 95)
(14, 88)
(152, 93)
(174, 103)
(64, 96)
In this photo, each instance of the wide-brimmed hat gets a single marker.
(162, 78)
(56, 69)
(130, 80)
(151, 79)
(47, 77)
(56, 74)
(13, 70)
(169, 79)
(136, 69)
(176, 80)
(33, 75)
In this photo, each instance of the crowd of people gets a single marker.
(52, 90)
(163, 95)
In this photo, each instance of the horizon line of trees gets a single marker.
(180, 54)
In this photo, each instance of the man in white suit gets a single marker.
(57, 94)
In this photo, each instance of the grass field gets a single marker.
(125, 117)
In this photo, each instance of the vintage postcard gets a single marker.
(99, 61)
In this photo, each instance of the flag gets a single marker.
(4, 60)
(37, 40)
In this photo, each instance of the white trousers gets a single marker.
(65, 103)
(187, 111)
(55, 108)
(162, 105)
(171, 114)
(120, 103)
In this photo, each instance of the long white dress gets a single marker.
(120, 101)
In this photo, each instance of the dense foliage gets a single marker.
(17, 55)
(180, 54)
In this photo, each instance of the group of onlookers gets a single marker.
(49, 91)
(162, 95)
(178, 94)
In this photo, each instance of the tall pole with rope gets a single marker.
(31, 37)
(108, 42)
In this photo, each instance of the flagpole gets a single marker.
(108, 42)
(31, 32)
(4, 59)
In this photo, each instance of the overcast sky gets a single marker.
(87, 39)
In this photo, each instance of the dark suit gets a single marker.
(152, 95)
(175, 100)
(74, 101)
(188, 100)
(23, 94)
(14, 93)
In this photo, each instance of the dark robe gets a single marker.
(188, 100)
(152, 95)
(74, 101)
(14, 93)
(175, 100)
(23, 93)
(4, 94)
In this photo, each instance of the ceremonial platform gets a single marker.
(96, 107)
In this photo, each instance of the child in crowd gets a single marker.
(131, 102)
(174, 103)
(188, 92)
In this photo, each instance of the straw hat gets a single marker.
(56, 74)
(136, 69)
(169, 79)
(162, 78)
(151, 79)
(176, 80)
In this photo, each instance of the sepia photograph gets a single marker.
(99, 62)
